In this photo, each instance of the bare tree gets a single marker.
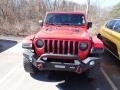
(21, 16)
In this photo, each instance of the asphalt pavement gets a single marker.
(13, 76)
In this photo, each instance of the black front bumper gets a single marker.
(74, 67)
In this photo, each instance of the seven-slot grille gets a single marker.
(61, 47)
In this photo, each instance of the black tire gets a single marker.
(28, 66)
(94, 72)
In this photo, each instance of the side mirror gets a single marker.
(89, 24)
(40, 22)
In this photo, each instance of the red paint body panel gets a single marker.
(29, 39)
(97, 43)
(65, 33)
(65, 13)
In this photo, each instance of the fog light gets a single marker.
(45, 58)
(92, 63)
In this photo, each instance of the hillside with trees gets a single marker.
(20, 17)
(115, 12)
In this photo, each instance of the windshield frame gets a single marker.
(68, 24)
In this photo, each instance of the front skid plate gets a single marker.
(60, 66)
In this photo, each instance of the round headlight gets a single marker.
(40, 43)
(83, 46)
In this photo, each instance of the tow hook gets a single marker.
(79, 70)
(40, 66)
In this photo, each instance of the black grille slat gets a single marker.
(56, 47)
(61, 42)
(46, 48)
(76, 47)
(71, 47)
(50, 45)
(66, 47)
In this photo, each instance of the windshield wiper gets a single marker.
(71, 24)
(56, 24)
(60, 24)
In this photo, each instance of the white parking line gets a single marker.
(109, 80)
(11, 72)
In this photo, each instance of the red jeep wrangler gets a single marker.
(63, 43)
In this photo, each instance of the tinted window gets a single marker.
(107, 25)
(111, 24)
(117, 26)
(65, 19)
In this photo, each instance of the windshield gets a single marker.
(65, 19)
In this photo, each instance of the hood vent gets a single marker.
(76, 30)
(49, 29)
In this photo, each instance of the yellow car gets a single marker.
(110, 35)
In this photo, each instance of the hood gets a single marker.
(63, 32)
